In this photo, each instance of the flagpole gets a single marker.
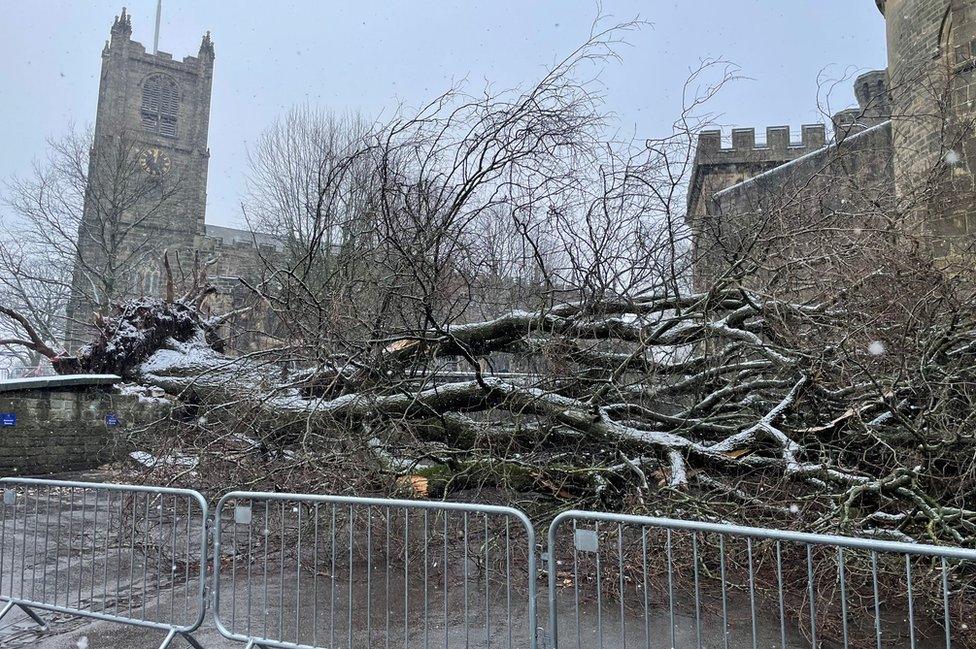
(159, 11)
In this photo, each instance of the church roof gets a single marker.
(235, 236)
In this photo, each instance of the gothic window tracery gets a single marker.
(148, 282)
(160, 105)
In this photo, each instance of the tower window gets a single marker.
(160, 105)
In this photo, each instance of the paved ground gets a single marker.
(66, 633)
(104, 635)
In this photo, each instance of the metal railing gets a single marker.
(305, 571)
(618, 580)
(127, 554)
(297, 571)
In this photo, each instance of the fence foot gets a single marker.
(190, 640)
(34, 616)
(6, 609)
(173, 634)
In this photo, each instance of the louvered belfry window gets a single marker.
(160, 105)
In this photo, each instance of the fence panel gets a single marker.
(127, 554)
(619, 581)
(324, 571)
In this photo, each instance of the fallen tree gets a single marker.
(706, 393)
(488, 231)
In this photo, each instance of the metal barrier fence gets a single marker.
(297, 571)
(618, 581)
(127, 554)
(303, 571)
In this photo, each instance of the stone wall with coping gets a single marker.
(66, 423)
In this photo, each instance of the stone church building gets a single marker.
(147, 185)
(908, 148)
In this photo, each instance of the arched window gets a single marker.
(160, 105)
(947, 40)
(147, 283)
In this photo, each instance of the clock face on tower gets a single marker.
(154, 161)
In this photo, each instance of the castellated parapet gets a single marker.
(744, 148)
(718, 166)
(908, 148)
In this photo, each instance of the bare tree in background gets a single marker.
(80, 231)
(311, 186)
(32, 285)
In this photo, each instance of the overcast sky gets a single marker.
(371, 55)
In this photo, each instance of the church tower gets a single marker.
(147, 174)
(162, 106)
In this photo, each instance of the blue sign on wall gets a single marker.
(111, 419)
(8, 418)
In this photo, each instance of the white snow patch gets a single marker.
(952, 157)
(239, 437)
(876, 348)
(150, 461)
(146, 394)
(395, 463)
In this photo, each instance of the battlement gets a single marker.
(136, 50)
(717, 166)
(779, 144)
(121, 41)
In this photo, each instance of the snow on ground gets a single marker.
(150, 461)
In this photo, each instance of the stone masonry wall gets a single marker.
(931, 65)
(67, 428)
(805, 213)
(717, 167)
